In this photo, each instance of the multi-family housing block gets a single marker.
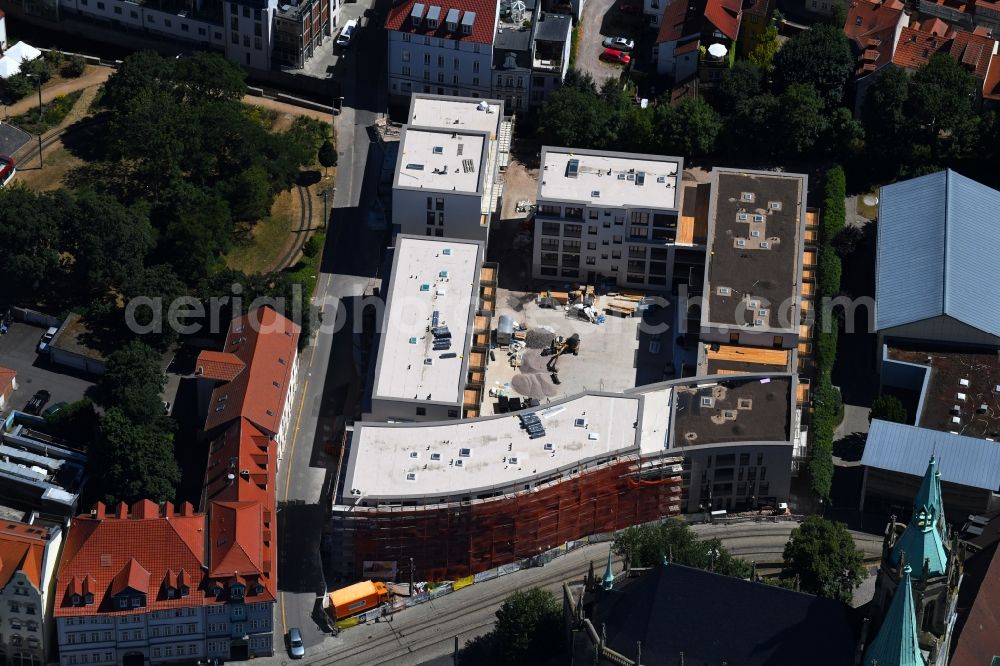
(28, 558)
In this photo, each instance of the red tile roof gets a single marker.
(871, 25)
(483, 28)
(725, 15)
(218, 365)
(131, 577)
(978, 626)
(757, 8)
(267, 344)
(919, 42)
(991, 86)
(7, 377)
(683, 18)
(22, 548)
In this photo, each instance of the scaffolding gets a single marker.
(449, 541)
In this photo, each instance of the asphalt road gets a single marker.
(426, 633)
(328, 377)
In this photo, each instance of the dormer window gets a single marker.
(136, 602)
(185, 590)
(216, 589)
(171, 593)
(122, 602)
(75, 599)
(857, 20)
(258, 588)
(88, 598)
(236, 591)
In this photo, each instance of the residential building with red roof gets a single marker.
(874, 28)
(441, 46)
(991, 85)
(978, 610)
(8, 384)
(688, 27)
(28, 558)
(756, 19)
(919, 42)
(151, 584)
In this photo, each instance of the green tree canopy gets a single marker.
(691, 128)
(887, 407)
(573, 118)
(132, 382)
(820, 57)
(109, 240)
(648, 545)
(823, 556)
(130, 461)
(801, 119)
(528, 629)
(740, 84)
(327, 154)
(30, 237)
(940, 105)
(763, 52)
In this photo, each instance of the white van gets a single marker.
(347, 33)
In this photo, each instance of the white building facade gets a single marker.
(26, 596)
(607, 215)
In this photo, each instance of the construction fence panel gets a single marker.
(463, 582)
(505, 569)
(441, 591)
(417, 599)
(489, 574)
(348, 622)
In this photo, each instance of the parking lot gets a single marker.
(602, 18)
(17, 352)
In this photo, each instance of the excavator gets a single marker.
(561, 346)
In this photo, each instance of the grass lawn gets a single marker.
(269, 237)
(58, 162)
(53, 114)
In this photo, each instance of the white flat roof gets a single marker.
(428, 275)
(441, 160)
(655, 435)
(455, 113)
(384, 455)
(610, 179)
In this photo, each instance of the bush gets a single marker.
(74, 67)
(54, 57)
(39, 68)
(888, 408)
(311, 247)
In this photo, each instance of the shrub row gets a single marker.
(827, 405)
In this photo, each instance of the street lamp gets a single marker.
(38, 82)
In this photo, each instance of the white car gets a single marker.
(347, 33)
(43, 344)
(620, 43)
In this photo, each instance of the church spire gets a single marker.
(897, 642)
(608, 581)
(922, 539)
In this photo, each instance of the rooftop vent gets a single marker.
(758, 218)
(755, 233)
(580, 423)
(963, 382)
(744, 196)
(595, 194)
(439, 150)
(414, 454)
(458, 463)
(465, 453)
(512, 460)
(725, 291)
(415, 167)
(621, 175)
(764, 245)
(435, 456)
(774, 205)
(549, 446)
(707, 401)
(742, 217)
(741, 242)
(753, 304)
(744, 403)
(411, 476)
(640, 178)
(446, 252)
(572, 168)
(961, 397)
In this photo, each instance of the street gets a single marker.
(328, 377)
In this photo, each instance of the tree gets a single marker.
(528, 629)
(823, 555)
(73, 67)
(883, 114)
(327, 155)
(763, 52)
(38, 70)
(160, 284)
(29, 239)
(940, 105)
(648, 545)
(203, 75)
(800, 121)
(844, 135)
(132, 382)
(196, 229)
(740, 84)
(248, 193)
(748, 129)
(573, 118)
(109, 241)
(692, 127)
(311, 247)
(888, 407)
(820, 57)
(145, 70)
(130, 461)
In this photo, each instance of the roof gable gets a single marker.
(944, 224)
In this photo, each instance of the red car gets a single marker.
(614, 55)
(630, 8)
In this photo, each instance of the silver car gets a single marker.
(620, 43)
(295, 647)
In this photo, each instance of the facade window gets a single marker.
(592, 246)
(118, 10)
(406, 55)
(236, 38)
(246, 12)
(167, 22)
(439, 233)
(134, 14)
(246, 42)
(406, 36)
(406, 70)
(100, 5)
(257, 43)
(439, 203)
(427, 58)
(475, 80)
(452, 413)
(591, 261)
(440, 61)
(573, 230)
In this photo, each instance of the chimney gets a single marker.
(168, 509)
(187, 509)
(122, 512)
(99, 511)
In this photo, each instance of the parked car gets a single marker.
(614, 55)
(620, 43)
(295, 647)
(54, 408)
(37, 401)
(43, 344)
(347, 33)
(630, 8)
(7, 169)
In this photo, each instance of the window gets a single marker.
(421, 411)
(591, 245)
(591, 261)
(406, 70)
(246, 12)
(167, 22)
(257, 43)
(475, 80)
(440, 61)
(246, 42)
(118, 10)
(134, 14)
(406, 36)
(236, 38)
(550, 228)
(100, 5)
(427, 58)
(744, 459)
(452, 413)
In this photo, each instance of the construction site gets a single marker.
(552, 344)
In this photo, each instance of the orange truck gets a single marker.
(357, 598)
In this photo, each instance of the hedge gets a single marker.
(827, 404)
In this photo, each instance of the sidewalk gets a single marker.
(93, 76)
